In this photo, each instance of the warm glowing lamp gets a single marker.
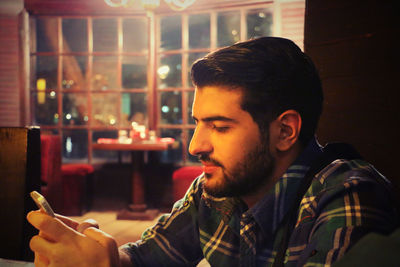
(150, 4)
(179, 5)
(41, 87)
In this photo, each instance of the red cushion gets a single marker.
(182, 178)
(74, 187)
(50, 150)
(187, 173)
(50, 146)
(77, 169)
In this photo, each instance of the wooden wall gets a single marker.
(9, 79)
(11, 113)
(19, 175)
(355, 46)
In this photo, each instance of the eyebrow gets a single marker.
(216, 118)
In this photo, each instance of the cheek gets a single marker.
(231, 151)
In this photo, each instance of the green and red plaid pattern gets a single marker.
(345, 201)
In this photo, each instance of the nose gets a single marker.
(200, 143)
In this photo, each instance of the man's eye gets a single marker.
(221, 129)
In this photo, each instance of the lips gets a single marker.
(210, 168)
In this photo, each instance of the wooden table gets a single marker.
(138, 209)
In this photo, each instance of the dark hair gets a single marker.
(274, 75)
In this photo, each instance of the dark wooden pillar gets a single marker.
(19, 175)
(355, 45)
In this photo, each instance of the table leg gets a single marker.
(138, 209)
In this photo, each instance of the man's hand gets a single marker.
(60, 244)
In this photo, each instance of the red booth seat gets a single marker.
(64, 185)
(75, 183)
(182, 178)
(50, 150)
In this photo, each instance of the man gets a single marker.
(256, 107)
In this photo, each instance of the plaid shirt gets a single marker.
(344, 202)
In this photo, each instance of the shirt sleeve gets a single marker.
(174, 240)
(347, 207)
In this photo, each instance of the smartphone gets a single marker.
(42, 203)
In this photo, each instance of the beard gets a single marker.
(246, 177)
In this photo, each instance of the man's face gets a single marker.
(228, 142)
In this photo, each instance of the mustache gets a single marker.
(207, 158)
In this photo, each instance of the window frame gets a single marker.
(59, 127)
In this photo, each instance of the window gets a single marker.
(93, 76)
(88, 79)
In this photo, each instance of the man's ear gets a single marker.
(289, 123)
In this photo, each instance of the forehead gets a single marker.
(217, 101)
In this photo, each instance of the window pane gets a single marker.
(171, 31)
(46, 34)
(191, 59)
(104, 73)
(189, 108)
(171, 107)
(104, 109)
(74, 72)
(228, 28)
(169, 71)
(134, 72)
(75, 144)
(259, 23)
(135, 33)
(105, 36)
(107, 155)
(75, 109)
(199, 31)
(75, 35)
(172, 155)
(45, 69)
(45, 108)
(134, 108)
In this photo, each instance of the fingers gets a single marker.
(68, 221)
(41, 261)
(106, 241)
(52, 228)
(41, 246)
(72, 223)
(101, 237)
(86, 224)
(43, 234)
(92, 248)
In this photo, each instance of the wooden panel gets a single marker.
(9, 76)
(336, 21)
(19, 174)
(355, 47)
